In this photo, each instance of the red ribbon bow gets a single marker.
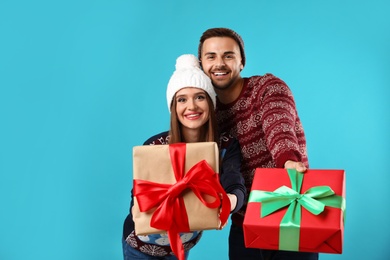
(170, 214)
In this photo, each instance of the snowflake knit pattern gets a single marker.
(161, 248)
(265, 121)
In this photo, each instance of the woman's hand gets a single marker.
(233, 201)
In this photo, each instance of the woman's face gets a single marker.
(192, 108)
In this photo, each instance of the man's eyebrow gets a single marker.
(226, 52)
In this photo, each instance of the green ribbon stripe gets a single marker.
(314, 200)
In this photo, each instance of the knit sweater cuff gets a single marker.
(284, 157)
(240, 199)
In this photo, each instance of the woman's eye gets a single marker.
(201, 97)
(180, 100)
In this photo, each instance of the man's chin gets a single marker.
(220, 86)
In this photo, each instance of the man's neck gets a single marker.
(230, 94)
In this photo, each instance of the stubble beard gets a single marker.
(226, 87)
(223, 86)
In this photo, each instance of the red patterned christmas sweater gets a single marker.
(264, 119)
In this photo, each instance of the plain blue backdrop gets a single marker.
(82, 82)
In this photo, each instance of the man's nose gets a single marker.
(220, 62)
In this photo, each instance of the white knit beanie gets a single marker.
(188, 74)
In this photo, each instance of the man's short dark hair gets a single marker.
(222, 32)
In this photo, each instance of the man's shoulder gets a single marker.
(161, 138)
(262, 79)
(267, 83)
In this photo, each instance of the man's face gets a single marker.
(221, 61)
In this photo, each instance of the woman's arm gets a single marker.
(230, 175)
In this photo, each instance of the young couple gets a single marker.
(254, 121)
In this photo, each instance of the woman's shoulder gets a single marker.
(161, 138)
(226, 140)
(229, 146)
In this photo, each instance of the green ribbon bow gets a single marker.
(314, 200)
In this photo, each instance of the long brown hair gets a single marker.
(208, 130)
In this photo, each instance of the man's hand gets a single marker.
(299, 166)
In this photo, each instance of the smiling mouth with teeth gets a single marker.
(220, 73)
(192, 115)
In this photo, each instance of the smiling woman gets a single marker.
(191, 100)
(184, 102)
(192, 109)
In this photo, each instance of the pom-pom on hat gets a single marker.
(188, 74)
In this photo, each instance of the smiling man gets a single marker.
(260, 112)
(222, 62)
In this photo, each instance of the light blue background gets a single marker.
(82, 82)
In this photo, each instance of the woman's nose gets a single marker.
(192, 104)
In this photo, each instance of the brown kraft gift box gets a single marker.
(153, 163)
